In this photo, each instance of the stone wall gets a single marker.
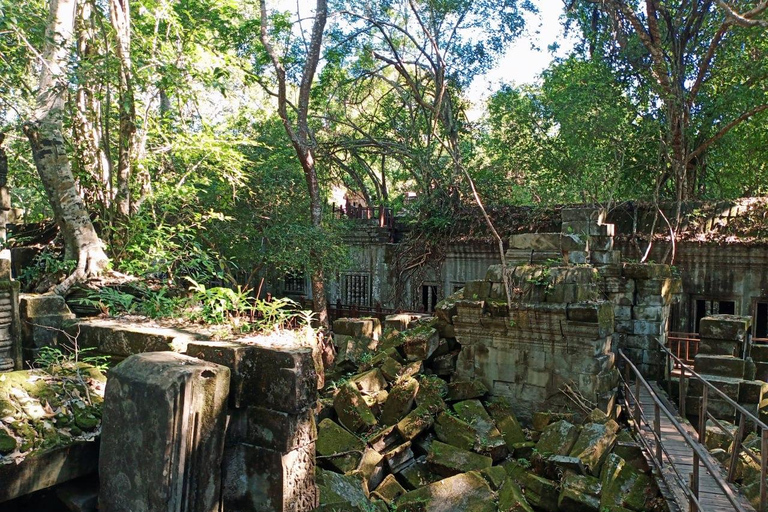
(227, 427)
(574, 304)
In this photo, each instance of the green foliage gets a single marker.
(49, 262)
(56, 361)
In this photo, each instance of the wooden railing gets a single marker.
(685, 345)
(659, 452)
(384, 214)
(686, 374)
(353, 311)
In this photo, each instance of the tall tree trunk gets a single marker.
(120, 15)
(44, 131)
(86, 124)
(301, 137)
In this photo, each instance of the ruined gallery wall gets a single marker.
(713, 272)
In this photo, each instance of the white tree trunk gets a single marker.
(44, 131)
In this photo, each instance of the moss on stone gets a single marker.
(7, 443)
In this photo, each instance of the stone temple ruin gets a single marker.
(494, 403)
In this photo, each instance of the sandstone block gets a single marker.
(357, 327)
(415, 422)
(511, 498)
(724, 366)
(557, 438)
(420, 343)
(594, 444)
(725, 327)
(467, 492)
(279, 431)
(354, 413)
(454, 431)
(256, 478)
(389, 490)
(282, 379)
(464, 390)
(399, 457)
(341, 449)
(399, 402)
(162, 433)
(448, 460)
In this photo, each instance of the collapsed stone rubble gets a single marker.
(399, 429)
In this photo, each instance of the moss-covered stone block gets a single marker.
(558, 438)
(452, 430)
(512, 499)
(448, 460)
(351, 408)
(488, 439)
(594, 444)
(466, 492)
(400, 401)
(415, 422)
(340, 449)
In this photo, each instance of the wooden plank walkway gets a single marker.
(711, 496)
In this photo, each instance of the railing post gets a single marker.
(736, 448)
(683, 390)
(703, 413)
(637, 403)
(657, 428)
(763, 475)
(694, 483)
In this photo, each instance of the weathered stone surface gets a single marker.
(715, 437)
(357, 327)
(399, 457)
(371, 468)
(594, 443)
(511, 498)
(467, 492)
(343, 492)
(399, 402)
(351, 408)
(415, 422)
(370, 381)
(282, 379)
(445, 365)
(162, 432)
(391, 369)
(48, 468)
(541, 493)
(431, 393)
(464, 390)
(558, 438)
(454, 431)
(541, 419)
(448, 460)
(280, 431)
(495, 476)
(41, 318)
(420, 343)
(505, 420)
(401, 321)
(624, 486)
(725, 327)
(389, 490)
(418, 475)
(120, 339)
(725, 366)
(338, 447)
(488, 439)
(579, 494)
(386, 439)
(256, 478)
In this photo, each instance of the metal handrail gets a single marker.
(699, 453)
(744, 415)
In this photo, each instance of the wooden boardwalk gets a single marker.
(680, 454)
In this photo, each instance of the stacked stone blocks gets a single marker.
(269, 455)
(573, 300)
(722, 360)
